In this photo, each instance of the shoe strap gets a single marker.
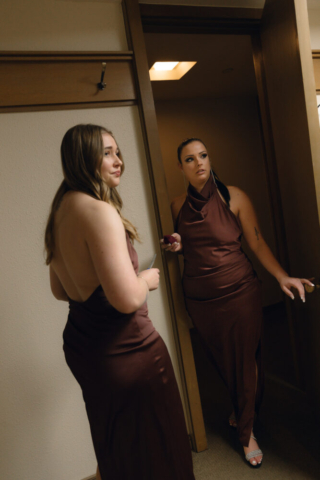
(254, 453)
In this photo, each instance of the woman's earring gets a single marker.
(214, 179)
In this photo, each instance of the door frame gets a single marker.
(144, 18)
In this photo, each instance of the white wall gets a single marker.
(44, 429)
(85, 25)
(230, 129)
(314, 23)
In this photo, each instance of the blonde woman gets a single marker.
(110, 344)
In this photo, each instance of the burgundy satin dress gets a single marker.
(130, 391)
(223, 298)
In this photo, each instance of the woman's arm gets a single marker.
(56, 286)
(241, 205)
(176, 247)
(106, 240)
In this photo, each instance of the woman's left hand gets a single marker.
(172, 247)
(286, 283)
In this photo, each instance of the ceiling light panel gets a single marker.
(177, 71)
(164, 66)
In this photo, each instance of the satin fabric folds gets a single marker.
(130, 391)
(223, 298)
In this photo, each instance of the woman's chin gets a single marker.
(200, 180)
(112, 182)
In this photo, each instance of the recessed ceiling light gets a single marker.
(175, 71)
(164, 66)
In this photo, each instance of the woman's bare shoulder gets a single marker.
(179, 200)
(234, 190)
(176, 205)
(84, 205)
(236, 194)
(239, 200)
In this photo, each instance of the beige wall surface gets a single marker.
(314, 22)
(230, 129)
(79, 25)
(45, 433)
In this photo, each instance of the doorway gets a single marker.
(217, 101)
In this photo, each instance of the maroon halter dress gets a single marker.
(130, 391)
(223, 298)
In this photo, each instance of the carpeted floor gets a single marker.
(287, 433)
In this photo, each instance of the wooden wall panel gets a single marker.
(37, 79)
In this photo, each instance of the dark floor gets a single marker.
(286, 429)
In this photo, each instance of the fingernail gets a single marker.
(292, 296)
(313, 284)
(303, 299)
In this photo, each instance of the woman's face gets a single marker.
(195, 164)
(111, 163)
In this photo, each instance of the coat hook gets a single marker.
(101, 84)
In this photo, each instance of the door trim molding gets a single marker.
(179, 318)
(192, 19)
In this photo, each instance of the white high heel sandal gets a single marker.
(254, 453)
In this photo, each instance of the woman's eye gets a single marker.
(204, 155)
(189, 159)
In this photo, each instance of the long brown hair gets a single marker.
(81, 156)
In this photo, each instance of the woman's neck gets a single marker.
(200, 187)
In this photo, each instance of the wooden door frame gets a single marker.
(193, 410)
(145, 18)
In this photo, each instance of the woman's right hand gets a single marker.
(174, 247)
(152, 277)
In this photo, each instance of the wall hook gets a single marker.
(101, 84)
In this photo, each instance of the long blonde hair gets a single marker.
(81, 156)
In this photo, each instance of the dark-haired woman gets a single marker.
(120, 361)
(222, 292)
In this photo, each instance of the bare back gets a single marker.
(91, 249)
(72, 261)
